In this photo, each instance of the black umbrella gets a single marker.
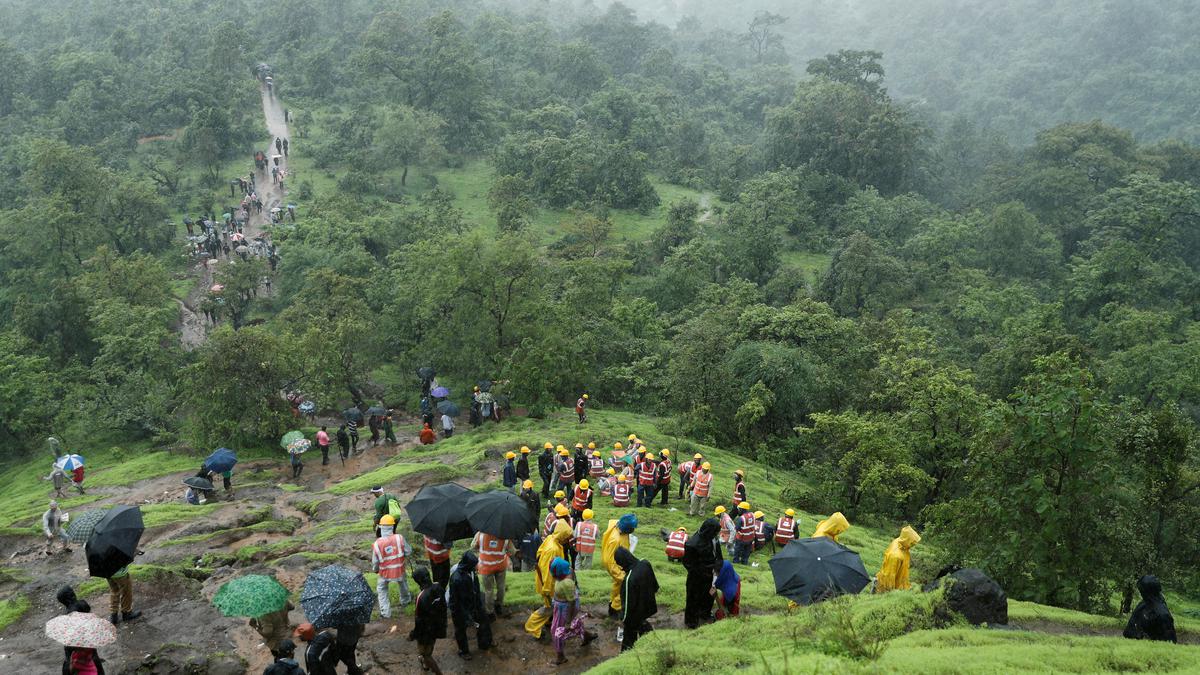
(198, 483)
(426, 373)
(376, 410)
(114, 541)
(484, 385)
(337, 596)
(352, 413)
(815, 569)
(500, 513)
(448, 408)
(439, 511)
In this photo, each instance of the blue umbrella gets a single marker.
(69, 462)
(440, 392)
(337, 596)
(221, 460)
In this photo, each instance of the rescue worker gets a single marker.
(728, 528)
(893, 574)
(701, 489)
(545, 464)
(509, 478)
(494, 556)
(439, 560)
(532, 501)
(604, 484)
(647, 478)
(675, 544)
(832, 527)
(560, 497)
(553, 547)
(551, 518)
(616, 536)
(595, 465)
(523, 464)
(618, 456)
(638, 602)
(582, 499)
(739, 487)
(566, 469)
(763, 533)
(743, 540)
(466, 607)
(785, 528)
(389, 558)
(581, 461)
(664, 476)
(586, 532)
(620, 492)
(686, 469)
(581, 408)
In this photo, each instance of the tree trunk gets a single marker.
(404, 176)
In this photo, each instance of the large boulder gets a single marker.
(974, 595)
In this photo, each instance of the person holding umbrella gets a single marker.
(447, 425)
(429, 619)
(320, 656)
(343, 441)
(120, 598)
(285, 660)
(339, 596)
(81, 633)
(466, 607)
(264, 600)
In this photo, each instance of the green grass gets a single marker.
(12, 609)
(1021, 612)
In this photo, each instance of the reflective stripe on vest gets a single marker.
(390, 552)
(580, 501)
(760, 530)
(702, 483)
(686, 467)
(665, 466)
(727, 527)
(549, 524)
(675, 542)
(566, 470)
(745, 527)
(436, 550)
(621, 494)
(596, 466)
(646, 473)
(785, 530)
(585, 536)
(739, 493)
(492, 556)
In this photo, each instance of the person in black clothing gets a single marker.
(429, 619)
(546, 470)
(466, 606)
(321, 655)
(346, 644)
(285, 661)
(352, 429)
(523, 465)
(285, 147)
(66, 596)
(343, 441)
(701, 558)
(638, 593)
(1151, 620)
(581, 463)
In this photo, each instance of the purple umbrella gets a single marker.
(440, 392)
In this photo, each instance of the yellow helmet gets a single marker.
(525, 450)
(510, 455)
(595, 453)
(633, 437)
(548, 445)
(587, 514)
(559, 494)
(650, 455)
(618, 446)
(387, 519)
(621, 478)
(745, 506)
(562, 448)
(719, 510)
(665, 452)
(579, 446)
(585, 397)
(592, 445)
(563, 451)
(681, 529)
(790, 512)
(758, 514)
(706, 465)
(583, 484)
(697, 456)
(740, 473)
(612, 471)
(528, 485)
(560, 510)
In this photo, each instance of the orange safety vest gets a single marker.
(701, 484)
(596, 466)
(493, 557)
(666, 472)
(686, 467)
(675, 542)
(606, 487)
(585, 536)
(621, 494)
(548, 526)
(760, 530)
(390, 552)
(566, 470)
(436, 550)
(580, 501)
(727, 527)
(739, 493)
(785, 530)
(745, 527)
(646, 473)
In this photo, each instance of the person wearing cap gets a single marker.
(320, 657)
(552, 516)
(785, 528)
(553, 547)
(494, 555)
(701, 488)
(389, 558)
(523, 464)
(686, 469)
(647, 479)
(664, 475)
(545, 464)
(581, 461)
(581, 408)
(728, 529)
(586, 532)
(467, 606)
(566, 469)
(743, 539)
(509, 480)
(52, 527)
(595, 465)
(618, 456)
(604, 484)
(531, 499)
(739, 487)
(429, 620)
(616, 536)
(285, 660)
(620, 491)
(438, 553)
(675, 543)
(581, 499)
(763, 533)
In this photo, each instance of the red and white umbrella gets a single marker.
(80, 629)
(217, 288)
(237, 236)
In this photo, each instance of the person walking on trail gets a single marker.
(385, 504)
(323, 444)
(389, 432)
(833, 526)
(58, 478)
(785, 528)
(638, 597)
(553, 547)
(893, 573)
(297, 464)
(429, 620)
(523, 464)
(647, 476)
(438, 553)
(52, 526)
(1151, 619)
(447, 426)
(586, 533)
(743, 540)
(346, 644)
(663, 486)
(727, 591)
(545, 464)
(285, 147)
(466, 607)
(739, 487)
(77, 479)
(343, 441)
(120, 588)
(375, 425)
(278, 145)
(617, 535)
(320, 657)
(567, 614)
(701, 489)
(352, 430)
(509, 479)
(581, 408)
(702, 557)
(274, 628)
(494, 555)
(428, 437)
(389, 557)
(285, 660)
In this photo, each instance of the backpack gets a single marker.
(393, 508)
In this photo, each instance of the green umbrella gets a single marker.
(290, 437)
(252, 595)
(81, 527)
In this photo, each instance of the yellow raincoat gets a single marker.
(553, 547)
(613, 540)
(893, 575)
(832, 527)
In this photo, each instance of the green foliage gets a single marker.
(12, 609)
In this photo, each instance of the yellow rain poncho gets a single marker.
(832, 527)
(893, 576)
(613, 539)
(553, 547)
